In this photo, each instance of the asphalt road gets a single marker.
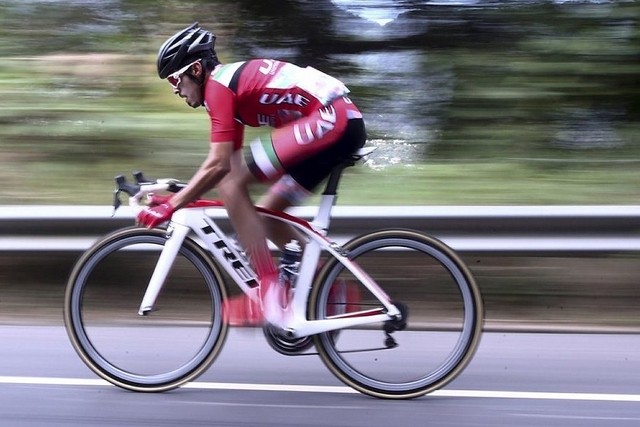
(515, 379)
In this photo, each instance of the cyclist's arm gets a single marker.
(226, 133)
(213, 169)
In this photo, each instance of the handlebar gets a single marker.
(142, 187)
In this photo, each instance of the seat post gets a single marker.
(331, 188)
(330, 193)
(329, 196)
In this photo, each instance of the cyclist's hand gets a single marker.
(151, 217)
(159, 199)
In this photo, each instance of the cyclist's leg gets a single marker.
(302, 162)
(233, 190)
(286, 192)
(304, 177)
(251, 231)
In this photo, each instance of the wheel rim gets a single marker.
(453, 346)
(129, 349)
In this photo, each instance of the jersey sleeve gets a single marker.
(220, 104)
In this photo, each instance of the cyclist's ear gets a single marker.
(197, 69)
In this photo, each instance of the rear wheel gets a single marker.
(441, 321)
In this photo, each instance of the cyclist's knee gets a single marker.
(284, 193)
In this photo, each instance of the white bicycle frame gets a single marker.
(223, 249)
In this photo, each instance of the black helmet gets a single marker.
(184, 47)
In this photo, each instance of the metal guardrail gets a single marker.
(520, 229)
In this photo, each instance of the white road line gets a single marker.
(481, 394)
(539, 395)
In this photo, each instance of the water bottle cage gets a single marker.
(290, 269)
(289, 273)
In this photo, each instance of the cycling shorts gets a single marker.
(309, 148)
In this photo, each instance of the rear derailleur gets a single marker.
(397, 324)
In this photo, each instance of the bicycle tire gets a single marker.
(443, 325)
(159, 351)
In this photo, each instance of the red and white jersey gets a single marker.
(264, 92)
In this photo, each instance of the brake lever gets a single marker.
(122, 185)
(141, 178)
(116, 194)
(116, 203)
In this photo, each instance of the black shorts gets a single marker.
(313, 170)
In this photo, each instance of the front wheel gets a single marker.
(161, 350)
(442, 315)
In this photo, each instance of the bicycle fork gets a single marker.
(212, 237)
(176, 234)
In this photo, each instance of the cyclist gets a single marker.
(315, 125)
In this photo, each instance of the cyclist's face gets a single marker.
(187, 87)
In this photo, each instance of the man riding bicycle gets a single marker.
(315, 126)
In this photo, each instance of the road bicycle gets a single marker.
(393, 313)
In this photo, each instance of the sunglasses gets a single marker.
(174, 79)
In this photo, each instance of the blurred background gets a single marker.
(470, 102)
